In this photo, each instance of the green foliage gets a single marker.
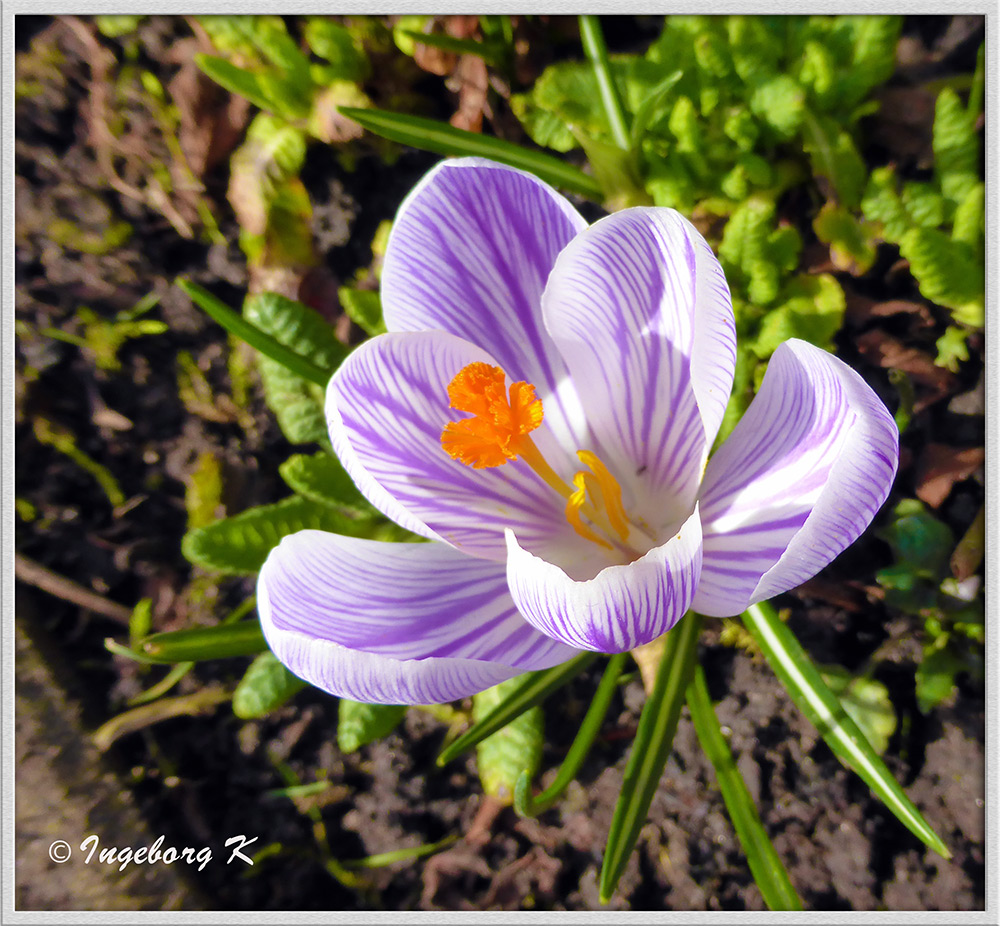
(811, 308)
(867, 703)
(713, 88)
(296, 402)
(320, 478)
(266, 685)
(512, 750)
(359, 724)
(363, 307)
(342, 51)
(940, 226)
(240, 544)
(920, 582)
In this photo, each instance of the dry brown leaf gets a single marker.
(892, 354)
(941, 466)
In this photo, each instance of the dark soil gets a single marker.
(199, 780)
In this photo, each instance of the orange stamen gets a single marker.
(501, 420)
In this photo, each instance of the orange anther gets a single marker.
(500, 421)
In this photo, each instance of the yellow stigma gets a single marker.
(498, 432)
(501, 420)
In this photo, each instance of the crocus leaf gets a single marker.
(805, 685)
(653, 741)
(532, 689)
(265, 343)
(240, 544)
(266, 685)
(866, 701)
(199, 643)
(597, 53)
(528, 806)
(515, 749)
(431, 135)
(765, 865)
(359, 724)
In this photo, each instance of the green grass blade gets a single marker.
(535, 688)
(653, 741)
(219, 642)
(765, 865)
(802, 679)
(597, 53)
(432, 135)
(490, 52)
(524, 803)
(236, 324)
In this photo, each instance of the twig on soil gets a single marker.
(32, 573)
(139, 718)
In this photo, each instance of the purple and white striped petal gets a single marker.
(798, 480)
(639, 308)
(386, 407)
(394, 623)
(622, 606)
(469, 253)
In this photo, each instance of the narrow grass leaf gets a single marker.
(235, 324)
(813, 696)
(765, 865)
(534, 688)
(432, 135)
(200, 643)
(653, 741)
(528, 806)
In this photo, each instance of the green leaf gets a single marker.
(240, 81)
(364, 308)
(852, 244)
(532, 689)
(812, 309)
(919, 540)
(765, 865)
(431, 135)
(336, 44)
(653, 742)
(947, 273)
(597, 53)
(513, 750)
(528, 806)
(866, 701)
(835, 158)
(952, 348)
(266, 685)
(359, 724)
(239, 545)
(935, 676)
(321, 478)
(200, 643)
(490, 52)
(803, 682)
(237, 325)
(298, 403)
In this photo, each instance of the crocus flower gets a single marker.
(542, 410)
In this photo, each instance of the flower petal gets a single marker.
(798, 480)
(387, 405)
(622, 606)
(639, 308)
(394, 623)
(469, 253)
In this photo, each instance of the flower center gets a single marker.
(498, 432)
